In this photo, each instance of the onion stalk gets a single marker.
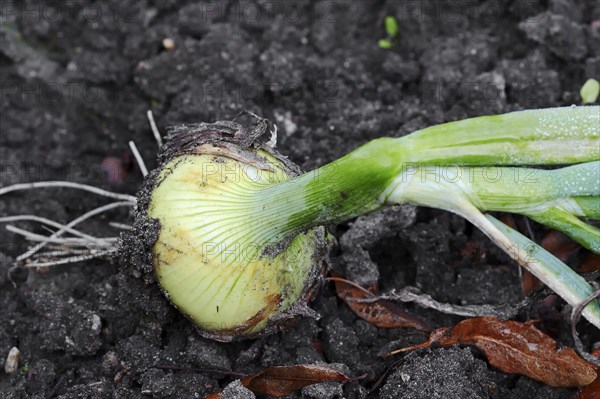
(237, 241)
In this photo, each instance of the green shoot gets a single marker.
(589, 91)
(385, 43)
(391, 28)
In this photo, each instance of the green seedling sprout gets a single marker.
(589, 91)
(232, 230)
(391, 28)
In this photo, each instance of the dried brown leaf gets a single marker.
(529, 282)
(519, 348)
(283, 380)
(591, 391)
(559, 245)
(381, 313)
(589, 264)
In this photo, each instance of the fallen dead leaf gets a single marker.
(381, 313)
(564, 248)
(589, 264)
(283, 380)
(591, 391)
(559, 245)
(519, 348)
(529, 282)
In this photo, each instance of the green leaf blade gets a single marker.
(563, 280)
(550, 136)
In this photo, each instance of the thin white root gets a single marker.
(82, 246)
(138, 158)
(65, 250)
(105, 241)
(154, 129)
(49, 222)
(28, 186)
(74, 222)
(273, 140)
(121, 226)
(93, 254)
(71, 249)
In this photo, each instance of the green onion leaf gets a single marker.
(550, 270)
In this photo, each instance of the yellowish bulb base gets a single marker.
(219, 257)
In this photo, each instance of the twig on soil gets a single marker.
(138, 158)
(383, 377)
(575, 315)
(154, 129)
(411, 294)
(200, 370)
(54, 390)
(529, 229)
(45, 184)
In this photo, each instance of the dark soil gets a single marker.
(77, 78)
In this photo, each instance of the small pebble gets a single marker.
(12, 360)
(168, 44)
